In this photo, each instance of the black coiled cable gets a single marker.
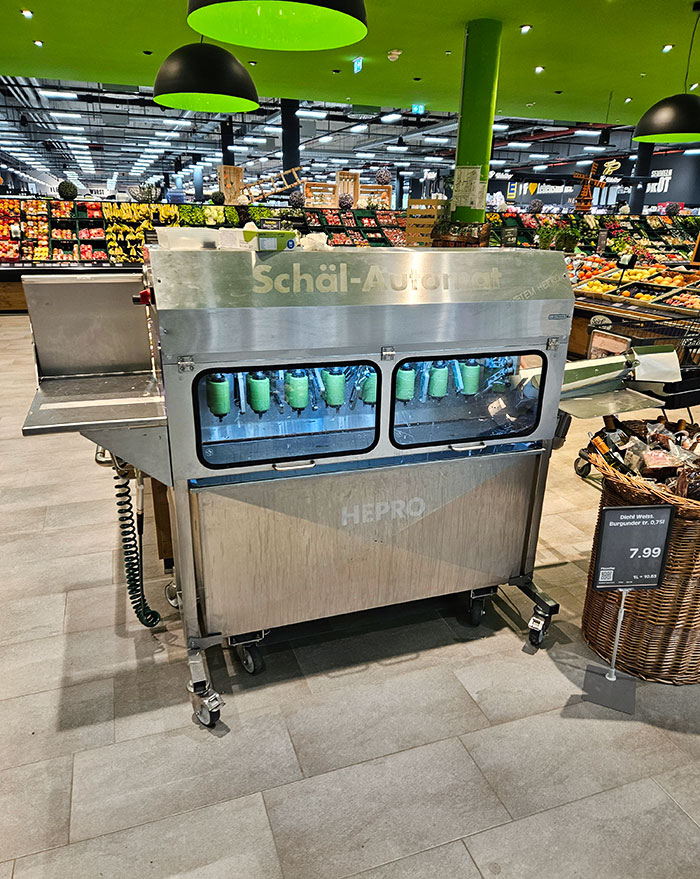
(133, 560)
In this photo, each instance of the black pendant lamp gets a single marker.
(675, 119)
(287, 25)
(206, 79)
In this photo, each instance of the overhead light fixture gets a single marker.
(367, 156)
(693, 87)
(391, 117)
(303, 113)
(59, 115)
(539, 156)
(27, 13)
(434, 158)
(497, 162)
(588, 132)
(272, 129)
(395, 148)
(594, 149)
(359, 129)
(539, 69)
(628, 100)
(327, 138)
(39, 43)
(205, 78)
(671, 120)
(691, 152)
(540, 167)
(500, 126)
(249, 138)
(430, 138)
(70, 128)
(286, 25)
(525, 28)
(519, 144)
(667, 48)
(585, 162)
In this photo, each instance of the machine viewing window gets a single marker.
(282, 413)
(466, 398)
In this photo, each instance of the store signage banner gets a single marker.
(468, 190)
(632, 545)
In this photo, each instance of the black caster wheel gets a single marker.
(207, 717)
(537, 637)
(582, 468)
(171, 595)
(251, 658)
(476, 611)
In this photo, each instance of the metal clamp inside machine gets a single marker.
(339, 431)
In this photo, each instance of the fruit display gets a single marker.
(35, 207)
(358, 239)
(397, 237)
(596, 287)
(633, 274)
(687, 299)
(368, 222)
(593, 265)
(60, 254)
(643, 292)
(341, 239)
(91, 232)
(191, 215)
(90, 209)
(214, 215)
(677, 279)
(62, 209)
(9, 250)
(36, 228)
(63, 234)
(332, 218)
(9, 210)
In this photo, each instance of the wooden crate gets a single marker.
(230, 179)
(421, 216)
(375, 192)
(320, 195)
(348, 183)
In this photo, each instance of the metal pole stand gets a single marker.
(615, 692)
(611, 676)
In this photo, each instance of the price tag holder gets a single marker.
(509, 237)
(632, 547)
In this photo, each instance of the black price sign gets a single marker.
(602, 242)
(509, 237)
(632, 545)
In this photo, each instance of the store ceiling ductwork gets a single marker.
(282, 25)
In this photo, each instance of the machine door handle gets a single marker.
(305, 465)
(467, 447)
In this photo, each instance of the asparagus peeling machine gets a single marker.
(339, 431)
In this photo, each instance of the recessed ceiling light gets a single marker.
(27, 13)
(335, 71)
(252, 63)
(628, 100)
(448, 52)
(667, 48)
(693, 86)
(39, 43)
(417, 78)
(525, 28)
(539, 69)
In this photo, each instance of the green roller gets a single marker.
(334, 381)
(405, 383)
(369, 389)
(296, 389)
(218, 395)
(437, 387)
(471, 377)
(259, 392)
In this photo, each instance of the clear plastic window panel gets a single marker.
(285, 413)
(466, 398)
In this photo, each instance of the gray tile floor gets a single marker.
(389, 745)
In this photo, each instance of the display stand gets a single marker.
(630, 555)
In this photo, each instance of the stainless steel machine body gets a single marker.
(347, 430)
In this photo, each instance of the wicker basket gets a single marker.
(660, 639)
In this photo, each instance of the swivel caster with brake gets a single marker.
(206, 705)
(538, 625)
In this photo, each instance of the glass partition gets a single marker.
(282, 413)
(468, 398)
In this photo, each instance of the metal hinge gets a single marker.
(553, 343)
(185, 364)
(388, 352)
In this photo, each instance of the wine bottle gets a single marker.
(611, 456)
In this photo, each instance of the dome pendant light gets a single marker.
(675, 119)
(206, 79)
(286, 25)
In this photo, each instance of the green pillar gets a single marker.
(482, 58)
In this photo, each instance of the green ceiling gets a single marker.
(587, 49)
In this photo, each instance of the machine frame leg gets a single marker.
(206, 702)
